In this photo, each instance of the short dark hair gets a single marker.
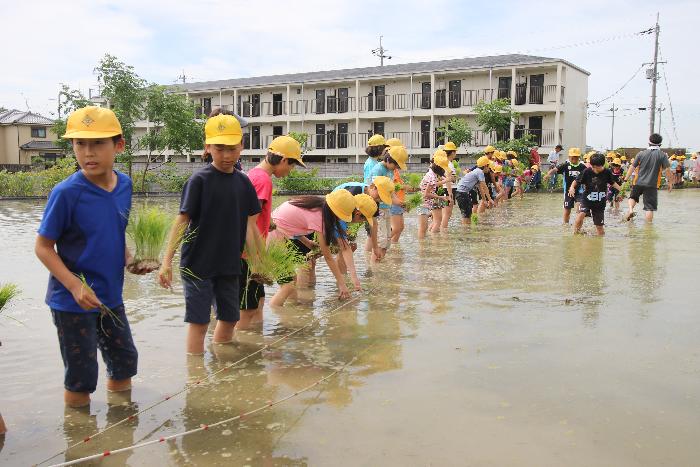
(390, 160)
(559, 146)
(374, 151)
(117, 138)
(454, 151)
(655, 138)
(273, 159)
(598, 159)
(437, 169)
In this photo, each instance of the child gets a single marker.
(451, 175)
(365, 212)
(397, 211)
(374, 150)
(467, 188)
(324, 216)
(595, 181)
(395, 158)
(570, 169)
(85, 220)
(613, 194)
(428, 186)
(218, 214)
(283, 155)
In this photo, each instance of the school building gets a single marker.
(23, 135)
(340, 109)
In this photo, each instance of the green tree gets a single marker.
(301, 138)
(521, 146)
(68, 101)
(495, 116)
(457, 130)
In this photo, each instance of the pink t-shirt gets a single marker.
(262, 182)
(293, 221)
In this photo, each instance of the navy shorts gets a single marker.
(80, 334)
(251, 291)
(597, 213)
(465, 203)
(569, 201)
(219, 291)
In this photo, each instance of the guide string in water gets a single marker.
(188, 386)
(205, 427)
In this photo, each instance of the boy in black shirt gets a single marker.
(570, 169)
(595, 181)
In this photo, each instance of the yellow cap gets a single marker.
(450, 146)
(400, 155)
(440, 159)
(376, 140)
(489, 149)
(617, 161)
(385, 187)
(500, 155)
(498, 168)
(223, 129)
(535, 167)
(367, 206)
(610, 155)
(673, 157)
(623, 158)
(682, 158)
(574, 152)
(515, 162)
(483, 161)
(394, 142)
(91, 123)
(512, 153)
(342, 203)
(287, 147)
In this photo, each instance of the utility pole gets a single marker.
(612, 129)
(182, 77)
(654, 77)
(381, 52)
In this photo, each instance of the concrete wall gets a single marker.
(575, 109)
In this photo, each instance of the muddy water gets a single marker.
(512, 343)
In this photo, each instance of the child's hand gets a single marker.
(572, 192)
(344, 293)
(356, 283)
(84, 297)
(165, 276)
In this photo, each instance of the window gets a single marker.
(246, 140)
(342, 160)
(342, 135)
(320, 136)
(378, 128)
(277, 104)
(254, 159)
(206, 105)
(455, 94)
(38, 132)
(276, 131)
(255, 139)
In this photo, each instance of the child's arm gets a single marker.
(333, 266)
(346, 251)
(616, 186)
(253, 240)
(44, 249)
(572, 189)
(165, 274)
(373, 234)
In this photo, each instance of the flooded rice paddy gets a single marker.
(510, 343)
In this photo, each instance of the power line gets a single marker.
(670, 104)
(597, 103)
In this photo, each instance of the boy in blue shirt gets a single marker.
(395, 157)
(85, 220)
(218, 215)
(375, 148)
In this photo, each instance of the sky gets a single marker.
(53, 42)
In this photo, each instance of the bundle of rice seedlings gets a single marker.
(148, 228)
(279, 260)
(413, 201)
(7, 293)
(624, 190)
(475, 218)
(413, 180)
(104, 309)
(398, 187)
(353, 229)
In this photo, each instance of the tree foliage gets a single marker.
(457, 130)
(301, 138)
(495, 116)
(521, 146)
(69, 100)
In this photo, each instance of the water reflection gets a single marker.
(647, 270)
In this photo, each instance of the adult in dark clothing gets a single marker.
(646, 170)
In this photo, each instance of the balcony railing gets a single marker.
(550, 93)
(536, 95)
(384, 103)
(333, 105)
(541, 137)
(331, 140)
(421, 100)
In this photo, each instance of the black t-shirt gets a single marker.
(218, 204)
(595, 187)
(570, 172)
(617, 177)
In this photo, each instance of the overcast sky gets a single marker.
(49, 42)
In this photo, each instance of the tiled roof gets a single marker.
(19, 117)
(40, 145)
(355, 73)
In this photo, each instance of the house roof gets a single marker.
(496, 61)
(40, 145)
(19, 117)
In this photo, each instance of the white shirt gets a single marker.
(553, 157)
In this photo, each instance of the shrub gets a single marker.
(169, 179)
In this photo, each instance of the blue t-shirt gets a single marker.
(88, 224)
(470, 180)
(355, 188)
(218, 205)
(380, 170)
(370, 163)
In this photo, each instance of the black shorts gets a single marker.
(650, 194)
(201, 294)
(569, 201)
(596, 213)
(465, 203)
(250, 291)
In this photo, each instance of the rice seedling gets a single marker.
(624, 190)
(475, 218)
(104, 309)
(7, 293)
(413, 201)
(148, 229)
(413, 180)
(279, 260)
(398, 187)
(353, 229)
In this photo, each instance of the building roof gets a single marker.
(41, 145)
(19, 117)
(496, 61)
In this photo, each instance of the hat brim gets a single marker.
(402, 165)
(85, 134)
(228, 140)
(297, 160)
(384, 195)
(369, 219)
